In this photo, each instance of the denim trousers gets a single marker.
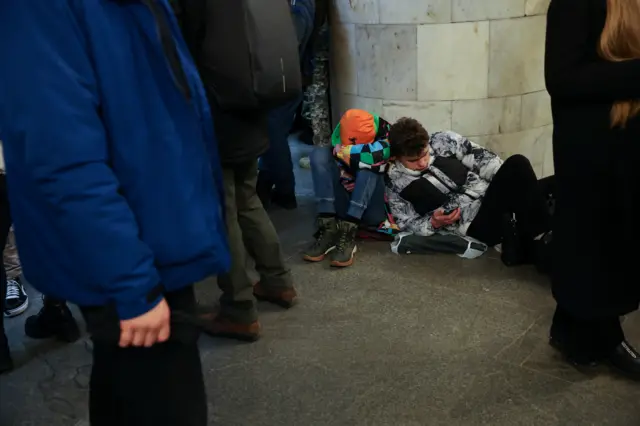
(365, 202)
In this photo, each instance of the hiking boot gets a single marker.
(326, 238)
(346, 247)
(220, 326)
(6, 363)
(54, 320)
(284, 298)
(17, 300)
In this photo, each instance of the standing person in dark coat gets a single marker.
(593, 75)
(243, 136)
(114, 183)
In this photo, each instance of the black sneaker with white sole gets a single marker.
(16, 301)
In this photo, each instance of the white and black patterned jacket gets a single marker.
(458, 175)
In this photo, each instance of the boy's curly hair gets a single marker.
(408, 138)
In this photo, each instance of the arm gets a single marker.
(476, 158)
(370, 156)
(406, 217)
(571, 70)
(50, 109)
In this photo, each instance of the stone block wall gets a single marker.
(474, 66)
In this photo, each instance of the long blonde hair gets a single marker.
(620, 41)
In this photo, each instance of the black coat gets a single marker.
(242, 135)
(596, 228)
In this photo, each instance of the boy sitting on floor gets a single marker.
(446, 183)
(349, 186)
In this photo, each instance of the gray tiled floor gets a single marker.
(418, 340)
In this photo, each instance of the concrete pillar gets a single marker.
(473, 66)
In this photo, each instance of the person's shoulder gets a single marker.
(446, 137)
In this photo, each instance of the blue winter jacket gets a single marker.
(112, 171)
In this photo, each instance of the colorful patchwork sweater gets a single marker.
(372, 156)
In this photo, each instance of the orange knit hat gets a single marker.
(357, 127)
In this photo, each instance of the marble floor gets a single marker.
(411, 341)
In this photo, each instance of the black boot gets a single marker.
(626, 359)
(512, 247)
(6, 363)
(286, 201)
(53, 320)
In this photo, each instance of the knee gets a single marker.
(320, 157)
(518, 160)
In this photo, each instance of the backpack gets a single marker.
(246, 51)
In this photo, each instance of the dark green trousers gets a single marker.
(252, 233)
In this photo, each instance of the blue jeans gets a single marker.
(366, 202)
(276, 163)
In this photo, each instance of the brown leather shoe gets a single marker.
(219, 326)
(285, 298)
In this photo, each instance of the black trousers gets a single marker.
(161, 385)
(514, 189)
(586, 340)
(5, 227)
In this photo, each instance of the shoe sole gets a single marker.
(318, 258)
(250, 338)
(594, 368)
(337, 264)
(279, 302)
(17, 311)
(67, 336)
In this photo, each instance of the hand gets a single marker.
(147, 329)
(337, 149)
(439, 219)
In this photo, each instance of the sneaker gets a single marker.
(17, 300)
(326, 237)
(6, 363)
(286, 298)
(346, 248)
(54, 320)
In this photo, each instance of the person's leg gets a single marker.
(6, 363)
(276, 165)
(375, 212)
(513, 190)
(585, 340)
(238, 316)
(367, 184)
(147, 386)
(331, 200)
(261, 240)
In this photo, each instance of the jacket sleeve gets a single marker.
(480, 160)
(63, 150)
(571, 69)
(370, 156)
(406, 216)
